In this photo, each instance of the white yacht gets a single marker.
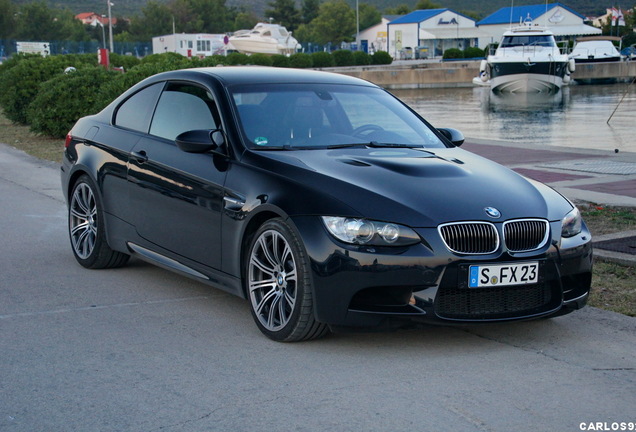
(266, 39)
(527, 60)
(596, 49)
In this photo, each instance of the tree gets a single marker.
(245, 20)
(156, 20)
(336, 22)
(426, 4)
(36, 21)
(7, 23)
(214, 15)
(285, 13)
(401, 9)
(309, 10)
(369, 15)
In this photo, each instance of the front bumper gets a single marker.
(359, 286)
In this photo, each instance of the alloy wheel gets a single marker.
(272, 280)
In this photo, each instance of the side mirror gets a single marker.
(453, 135)
(201, 141)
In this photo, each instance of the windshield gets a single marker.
(528, 40)
(307, 116)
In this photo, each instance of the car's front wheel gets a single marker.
(86, 228)
(279, 285)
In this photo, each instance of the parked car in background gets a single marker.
(320, 198)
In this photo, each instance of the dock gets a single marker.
(414, 74)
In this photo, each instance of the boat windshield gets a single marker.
(312, 116)
(528, 40)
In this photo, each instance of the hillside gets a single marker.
(481, 8)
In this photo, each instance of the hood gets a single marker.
(418, 187)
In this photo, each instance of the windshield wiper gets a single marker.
(375, 144)
(352, 145)
(269, 147)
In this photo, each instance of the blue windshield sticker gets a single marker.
(260, 141)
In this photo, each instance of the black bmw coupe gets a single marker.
(320, 198)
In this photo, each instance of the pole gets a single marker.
(110, 26)
(103, 34)
(357, 27)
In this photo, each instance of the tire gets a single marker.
(278, 285)
(86, 228)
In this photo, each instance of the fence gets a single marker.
(138, 49)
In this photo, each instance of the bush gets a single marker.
(343, 57)
(381, 57)
(20, 84)
(235, 59)
(279, 60)
(473, 52)
(453, 53)
(260, 59)
(65, 98)
(322, 59)
(162, 58)
(215, 60)
(360, 58)
(300, 60)
(125, 61)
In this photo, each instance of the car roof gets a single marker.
(230, 75)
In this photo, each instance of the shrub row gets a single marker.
(470, 52)
(36, 91)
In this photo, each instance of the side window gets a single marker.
(181, 108)
(135, 113)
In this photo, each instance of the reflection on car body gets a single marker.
(320, 198)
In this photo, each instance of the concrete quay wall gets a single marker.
(413, 74)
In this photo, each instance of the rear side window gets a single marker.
(135, 113)
(181, 108)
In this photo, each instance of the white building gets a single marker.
(558, 18)
(191, 45)
(374, 38)
(430, 32)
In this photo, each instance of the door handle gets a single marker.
(140, 156)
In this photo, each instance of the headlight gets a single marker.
(368, 232)
(571, 223)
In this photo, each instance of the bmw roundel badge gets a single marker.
(493, 212)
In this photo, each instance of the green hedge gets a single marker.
(381, 57)
(260, 60)
(36, 90)
(343, 57)
(474, 52)
(279, 60)
(322, 59)
(300, 60)
(65, 98)
(360, 58)
(19, 83)
(453, 53)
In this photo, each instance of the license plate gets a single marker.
(481, 276)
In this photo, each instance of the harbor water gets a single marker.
(575, 117)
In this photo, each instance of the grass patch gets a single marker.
(614, 287)
(606, 219)
(23, 139)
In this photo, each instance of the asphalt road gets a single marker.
(142, 349)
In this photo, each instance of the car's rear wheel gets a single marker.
(279, 285)
(86, 228)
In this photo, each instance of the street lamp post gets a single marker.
(357, 27)
(110, 26)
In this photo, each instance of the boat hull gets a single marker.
(254, 46)
(517, 77)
